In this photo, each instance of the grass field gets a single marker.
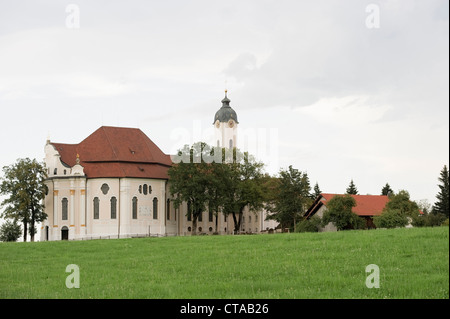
(413, 263)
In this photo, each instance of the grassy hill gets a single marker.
(413, 263)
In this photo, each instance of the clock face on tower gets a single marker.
(230, 123)
(217, 124)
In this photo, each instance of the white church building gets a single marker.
(114, 184)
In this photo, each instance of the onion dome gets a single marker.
(225, 113)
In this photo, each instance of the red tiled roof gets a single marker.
(366, 205)
(117, 152)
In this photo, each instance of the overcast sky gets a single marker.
(329, 87)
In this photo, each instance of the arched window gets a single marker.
(210, 215)
(145, 189)
(64, 208)
(168, 209)
(189, 211)
(231, 143)
(135, 207)
(155, 208)
(55, 171)
(96, 208)
(113, 207)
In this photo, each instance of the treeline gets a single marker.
(228, 181)
(200, 179)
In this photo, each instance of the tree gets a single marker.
(245, 185)
(442, 203)
(217, 179)
(351, 189)
(23, 183)
(293, 197)
(399, 210)
(191, 180)
(339, 212)
(387, 190)
(10, 231)
(317, 190)
(402, 203)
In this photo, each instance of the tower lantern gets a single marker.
(225, 123)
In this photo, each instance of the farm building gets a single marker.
(366, 207)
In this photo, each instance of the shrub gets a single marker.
(390, 218)
(10, 231)
(308, 225)
(428, 220)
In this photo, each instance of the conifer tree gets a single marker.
(317, 190)
(351, 189)
(442, 203)
(387, 190)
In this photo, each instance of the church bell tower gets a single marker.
(225, 124)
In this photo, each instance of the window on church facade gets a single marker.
(155, 208)
(96, 208)
(189, 213)
(168, 209)
(113, 207)
(105, 189)
(64, 208)
(135, 207)
(231, 143)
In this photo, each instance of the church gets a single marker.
(115, 184)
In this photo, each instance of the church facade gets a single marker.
(114, 184)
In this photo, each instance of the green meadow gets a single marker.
(413, 263)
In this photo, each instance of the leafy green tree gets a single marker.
(218, 179)
(10, 231)
(293, 197)
(442, 203)
(245, 185)
(191, 180)
(351, 189)
(387, 190)
(339, 212)
(403, 204)
(23, 184)
(398, 212)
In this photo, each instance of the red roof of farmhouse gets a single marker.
(117, 152)
(366, 205)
